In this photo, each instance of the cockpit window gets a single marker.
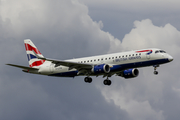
(162, 51)
(157, 51)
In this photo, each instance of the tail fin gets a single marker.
(34, 62)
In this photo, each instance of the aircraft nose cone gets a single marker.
(170, 58)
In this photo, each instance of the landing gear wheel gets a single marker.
(155, 68)
(88, 79)
(107, 82)
(155, 72)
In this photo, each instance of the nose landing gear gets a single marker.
(155, 69)
(155, 72)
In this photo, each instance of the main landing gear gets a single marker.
(107, 82)
(88, 79)
(155, 69)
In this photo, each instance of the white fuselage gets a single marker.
(131, 59)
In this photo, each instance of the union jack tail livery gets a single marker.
(31, 49)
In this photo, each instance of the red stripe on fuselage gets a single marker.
(37, 63)
(30, 48)
(144, 51)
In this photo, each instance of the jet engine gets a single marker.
(130, 73)
(103, 68)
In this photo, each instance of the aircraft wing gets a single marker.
(69, 64)
(23, 67)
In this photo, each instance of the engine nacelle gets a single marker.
(103, 68)
(130, 73)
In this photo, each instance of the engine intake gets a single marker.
(103, 68)
(130, 73)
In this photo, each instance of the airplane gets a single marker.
(122, 64)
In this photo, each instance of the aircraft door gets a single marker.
(148, 56)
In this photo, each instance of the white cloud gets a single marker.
(64, 21)
(144, 96)
(58, 28)
(147, 35)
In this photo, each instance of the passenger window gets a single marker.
(129, 55)
(116, 56)
(112, 57)
(139, 53)
(123, 56)
(98, 59)
(126, 55)
(91, 60)
(133, 55)
(106, 58)
(119, 56)
(84, 61)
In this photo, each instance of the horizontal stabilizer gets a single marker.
(23, 67)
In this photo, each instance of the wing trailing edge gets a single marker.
(69, 64)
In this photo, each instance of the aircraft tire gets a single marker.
(88, 79)
(107, 82)
(155, 72)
